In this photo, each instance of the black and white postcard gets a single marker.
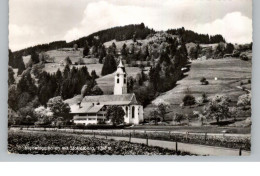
(116, 77)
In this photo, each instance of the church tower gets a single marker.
(120, 85)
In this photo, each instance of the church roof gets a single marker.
(111, 99)
(93, 104)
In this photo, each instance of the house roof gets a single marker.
(95, 108)
(111, 99)
(93, 104)
(83, 108)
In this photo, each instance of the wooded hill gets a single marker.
(121, 33)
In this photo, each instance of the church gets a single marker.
(92, 109)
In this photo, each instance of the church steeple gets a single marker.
(120, 85)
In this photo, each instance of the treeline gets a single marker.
(16, 61)
(118, 33)
(191, 36)
(41, 48)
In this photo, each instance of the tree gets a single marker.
(94, 74)
(229, 48)
(124, 50)
(109, 65)
(154, 115)
(58, 107)
(34, 57)
(68, 61)
(86, 50)
(75, 46)
(12, 97)
(218, 108)
(244, 101)
(44, 115)
(188, 100)
(97, 91)
(203, 80)
(162, 110)
(178, 118)
(115, 114)
(130, 84)
(233, 112)
(11, 79)
(102, 53)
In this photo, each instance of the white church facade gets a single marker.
(92, 109)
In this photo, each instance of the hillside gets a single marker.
(119, 33)
(229, 72)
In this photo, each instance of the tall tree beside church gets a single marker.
(109, 65)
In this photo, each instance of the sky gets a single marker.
(33, 22)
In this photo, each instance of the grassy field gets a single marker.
(53, 67)
(61, 54)
(229, 73)
(106, 83)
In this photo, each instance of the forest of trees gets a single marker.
(190, 36)
(28, 94)
(163, 75)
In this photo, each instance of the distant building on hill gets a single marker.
(92, 109)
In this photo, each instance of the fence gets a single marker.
(233, 141)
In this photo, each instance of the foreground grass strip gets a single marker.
(57, 143)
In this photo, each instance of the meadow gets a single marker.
(224, 77)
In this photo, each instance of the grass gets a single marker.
(53, 67)
(106, 83)
(60, 55)
(194, 129)
(229, 73)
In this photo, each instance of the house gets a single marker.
(92, 109)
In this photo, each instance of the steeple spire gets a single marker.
(120, 65)
(120, 85)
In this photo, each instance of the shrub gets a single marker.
(188, 100)
(206, 82)
(68, 61)
(204, 97)
(244, 100)
(202, 80)
(178, 117)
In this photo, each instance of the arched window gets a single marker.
(124, 81)
(126, 111)
(133, 112)
(117, 80)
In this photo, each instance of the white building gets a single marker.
(92, 109)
